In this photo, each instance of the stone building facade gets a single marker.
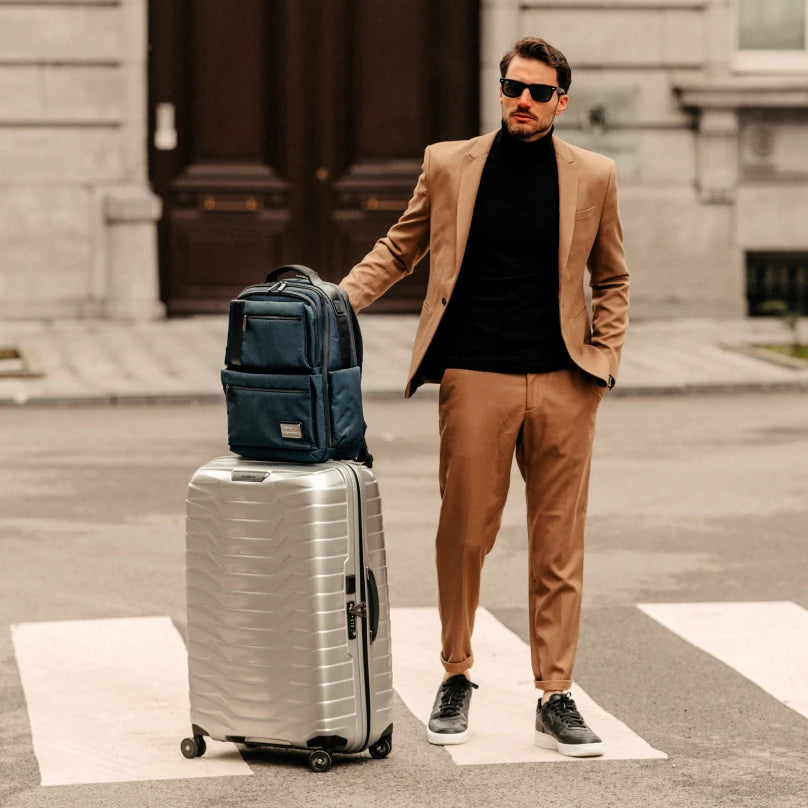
(702, 103)
(77, 218)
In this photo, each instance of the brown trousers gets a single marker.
(548, 419)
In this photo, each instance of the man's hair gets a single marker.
(532, 47)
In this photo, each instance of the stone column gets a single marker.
(132, 290)
(499, 26)
(720, 30)
(718, 155)
(131, 210)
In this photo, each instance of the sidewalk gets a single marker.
(104, 361)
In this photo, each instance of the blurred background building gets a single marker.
(158, 155)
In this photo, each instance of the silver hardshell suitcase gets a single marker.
(288, 615)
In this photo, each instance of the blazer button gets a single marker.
(443, 301)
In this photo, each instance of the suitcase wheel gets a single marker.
(319, 761)
(381, 749)
(193, 747)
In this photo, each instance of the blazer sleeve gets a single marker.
(609, 279)
(395, 255)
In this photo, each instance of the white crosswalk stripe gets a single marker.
(765, 642)
(108, 699)
(108, 702)
(502, 710)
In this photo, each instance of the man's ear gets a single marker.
(562, 104)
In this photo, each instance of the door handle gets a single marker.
(234, 205)
(372, 203)
(165, 130)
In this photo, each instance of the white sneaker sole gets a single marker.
(446, 738)
(546, 741)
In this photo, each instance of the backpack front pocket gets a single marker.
(273, 411)
(277, 337)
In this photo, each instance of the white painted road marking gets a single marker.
(502, 712)
(765, 642)
(108, 699)
(108, 702)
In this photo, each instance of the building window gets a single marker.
(771, 35)
(777, 276)
(771, 25)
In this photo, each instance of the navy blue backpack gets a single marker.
(292, 376)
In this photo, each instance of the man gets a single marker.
(511, 219)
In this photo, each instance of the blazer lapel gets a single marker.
(471, 171)
(567, 200)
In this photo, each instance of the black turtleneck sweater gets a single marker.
(503, 315)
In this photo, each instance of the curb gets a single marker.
(126, 400)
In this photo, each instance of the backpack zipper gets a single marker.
(287, 390)
(267, 317)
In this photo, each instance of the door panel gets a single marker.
(203, 248)
(391, 79)
(301, 126)
(228, 71)
(226, 207)
(387, 88)
(409, 78)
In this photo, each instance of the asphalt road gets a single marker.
(699, 498)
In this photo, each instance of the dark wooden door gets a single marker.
(292, 131)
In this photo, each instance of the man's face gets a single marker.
(523, 117)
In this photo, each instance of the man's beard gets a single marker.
(520, 132)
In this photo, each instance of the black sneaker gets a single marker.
(449, 721)
(560, 726)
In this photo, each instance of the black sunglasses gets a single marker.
(538, 92)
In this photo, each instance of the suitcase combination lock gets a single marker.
(355, 610)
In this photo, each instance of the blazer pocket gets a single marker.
(585, 213)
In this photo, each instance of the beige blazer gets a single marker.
(437, 221)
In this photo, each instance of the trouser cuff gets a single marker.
(553, 685)
(457, 667)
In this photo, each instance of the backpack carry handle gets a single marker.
(299, 268)
(338, 298)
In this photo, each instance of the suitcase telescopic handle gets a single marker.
(299, 268)
(373, 606)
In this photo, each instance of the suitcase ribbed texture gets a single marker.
(269, 653)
